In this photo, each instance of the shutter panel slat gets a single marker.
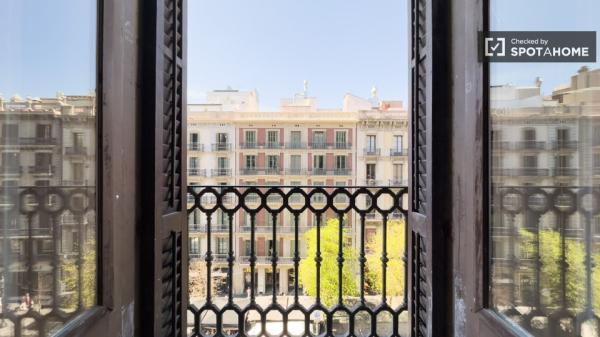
(166, 234)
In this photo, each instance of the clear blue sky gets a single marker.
(540, 15)
(47, 46)
(339, 46)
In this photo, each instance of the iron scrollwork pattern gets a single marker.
(49, 235)
(347, 205)
(544, 272)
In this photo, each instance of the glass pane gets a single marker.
(544, 122)
(48, 164)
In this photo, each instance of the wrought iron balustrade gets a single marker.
(372, 152)
(544, 267)
(262, 210)
(52, 273)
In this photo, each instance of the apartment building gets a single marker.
(542, 143)
(48, 160)
(300, 144)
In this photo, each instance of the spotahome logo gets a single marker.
(523, 46)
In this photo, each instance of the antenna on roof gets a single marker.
(305, 83)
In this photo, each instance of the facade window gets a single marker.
(250, 138)
(340, 139)
(340, 162)
(319, 162)
(296, 138)
(529, 161)
(295, 162)
(222, 163)
(371, 143)
(222, 138)
(371, 171)
(194, 138)
(194, 162)
(562, 135)
(10, 132)
(222, 245)
(272, 138)
(11, 162)
(528, 134)
(563, 161)
(596, 160)
(43, 131)
(318, 139)
(78, 174)
(398, 143)
(398, 175)
(250, 161)
(273, 162)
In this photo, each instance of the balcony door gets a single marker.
(164, 236)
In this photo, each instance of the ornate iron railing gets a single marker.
(47, 261)
(544, 258)
(220, 310)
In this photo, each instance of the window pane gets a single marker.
(544, 117)
(48, 169)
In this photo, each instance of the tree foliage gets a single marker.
(329, 266)
(550, 272)
(71, 275)
(395, 266)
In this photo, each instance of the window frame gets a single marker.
(471, 165)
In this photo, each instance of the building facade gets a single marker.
(47, 177)
(298, 145)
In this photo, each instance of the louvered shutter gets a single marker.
(164, 216)
(429, 120)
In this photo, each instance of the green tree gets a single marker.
(329, 266)
(395, 265)
(71, 276)
(550, 258)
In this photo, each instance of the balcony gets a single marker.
(398, 182)
(394, 153)
(318, 145)
(295, 145)
(341, 172)
(342, 146)
(296, 171)
(273, 145)
(196, 147)
(319, 172)
(523, 171)
(196, 172)
(76, 151)
(261, 171)
(221, 147)
(500, 145)
(565, 145)
(255, 252)
(530, 145)
(214, 228)
(565, 171)
(42, 169)
(371, 152)
(11, 170)
(249, 146)
(333, 146)
(32, 141)
(220, 172)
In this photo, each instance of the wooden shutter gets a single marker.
(164, 216)
(429, 259)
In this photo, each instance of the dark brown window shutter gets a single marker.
(429, 259)
(163, 177)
